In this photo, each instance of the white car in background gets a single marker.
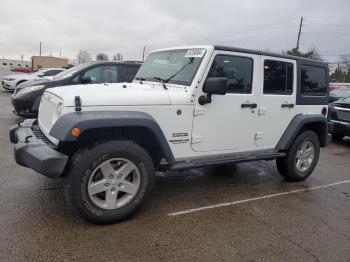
(10, 82)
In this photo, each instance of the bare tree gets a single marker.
(118, 57)
(83, 57)
(345, 59)
(102, 57)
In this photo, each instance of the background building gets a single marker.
(48, 62)
(8, 64)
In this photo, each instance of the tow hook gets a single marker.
(26, 140)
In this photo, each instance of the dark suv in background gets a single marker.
(26, 98)
(339, 115)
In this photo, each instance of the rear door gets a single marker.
(277, 100)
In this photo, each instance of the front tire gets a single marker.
(301, 158)
(110, 181)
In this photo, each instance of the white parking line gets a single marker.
(255, 199)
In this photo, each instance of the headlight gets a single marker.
(30, 89)
(57, 113)
(59, 109)
(9, 79)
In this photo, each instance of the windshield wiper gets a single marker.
(178, 72)
(141, 79)
(163, 81)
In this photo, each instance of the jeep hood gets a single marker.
(120, 94)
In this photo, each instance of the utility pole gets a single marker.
(40, 49)
(301, 24)
(143, 54)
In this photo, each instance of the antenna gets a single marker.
(301, 24)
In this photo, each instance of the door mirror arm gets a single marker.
(213, 85)
(204, 99)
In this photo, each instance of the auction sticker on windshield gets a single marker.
(196, 52)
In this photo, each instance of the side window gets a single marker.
(52, 72)
(128, 72)
(278, 77)
(313, 81)
(238, 70)
(102, 74)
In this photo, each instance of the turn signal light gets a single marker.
(75, 132)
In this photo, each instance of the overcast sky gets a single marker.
(126, 26)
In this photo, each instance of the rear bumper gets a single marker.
(29, 151)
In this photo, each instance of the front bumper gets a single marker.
(340, 127)
(24, 106)
(34, 152)
(8, 85)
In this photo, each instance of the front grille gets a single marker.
(47, 109)
(343, 115)
(40, 135)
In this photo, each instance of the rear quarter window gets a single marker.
(313, 81)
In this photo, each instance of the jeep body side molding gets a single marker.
(93, 120)
(316, 122)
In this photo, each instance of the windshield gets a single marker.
(172, 66)
(66, 73)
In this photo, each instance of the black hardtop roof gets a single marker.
(257, 52)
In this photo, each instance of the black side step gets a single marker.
(218, 160)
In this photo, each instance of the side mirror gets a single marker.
(215, 85)
(41, 75)
(85, 79)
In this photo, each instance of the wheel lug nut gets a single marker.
(107, 184)
(111, 176)
(113, 189)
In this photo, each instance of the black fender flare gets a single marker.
(88, 120)
(297, 124)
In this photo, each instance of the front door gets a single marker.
(277, 100)
(228, 123)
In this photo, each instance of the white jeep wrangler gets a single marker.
(187, 107)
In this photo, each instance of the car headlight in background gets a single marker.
(9, 79)
(30, 89)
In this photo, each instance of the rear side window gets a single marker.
(278, 77)
(238, 71)
(313, 81)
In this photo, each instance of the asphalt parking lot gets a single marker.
(247, 214)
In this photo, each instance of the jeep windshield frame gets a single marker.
(176, 66)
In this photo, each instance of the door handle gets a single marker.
(287, 105)
(249, 105)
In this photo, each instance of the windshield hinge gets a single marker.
(198, 111)
(196, 139)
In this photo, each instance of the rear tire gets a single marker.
(301, 158)
(110, 181)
